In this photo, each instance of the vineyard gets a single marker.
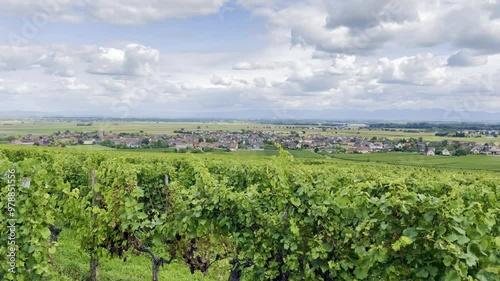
(264, 219)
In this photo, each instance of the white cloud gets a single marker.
(319, 54)
(72, 83)
(467, 58)
(342, 64)
(24, 57)
(364, 14)
(113, 11)
(260, 82)
(55, 64)
(221, 81)
(105, 60)
(252, 66)
(115, 85)
(365, 27)
(133, 60)
(422, 69)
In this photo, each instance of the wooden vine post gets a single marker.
(94, 259)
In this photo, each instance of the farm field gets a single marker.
(469, 162)
(428, 136)
(216, 153)
(44, 127)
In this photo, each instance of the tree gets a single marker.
(108, 143)
(460, 152)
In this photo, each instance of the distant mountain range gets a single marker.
(437, 115)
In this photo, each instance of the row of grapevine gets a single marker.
(271, 220)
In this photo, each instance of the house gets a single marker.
(476, 150)
(494, 151)
(445, 152)
(431, 151)
(399, 145)
(233, 146)
(133, 144)
(359, 149)
(363, 149)
(181, 145)
(351, 150)
(376, 146)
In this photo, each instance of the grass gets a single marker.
(239, 153)
(469, 162)
(153, 150)
(305, 154)
(89, 147)
(73, 264)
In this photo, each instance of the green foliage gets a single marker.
(277, 219)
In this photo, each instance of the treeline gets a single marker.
(437, 126)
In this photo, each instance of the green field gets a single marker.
(218, 152)
(43, 127)
(89, 147)
(428, 136)
(469, 162)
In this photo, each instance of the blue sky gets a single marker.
(235, 29)
(203, 56)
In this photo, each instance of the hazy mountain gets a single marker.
(344, 114)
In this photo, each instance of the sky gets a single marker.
(248, 58)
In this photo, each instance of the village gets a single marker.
(207, 141)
